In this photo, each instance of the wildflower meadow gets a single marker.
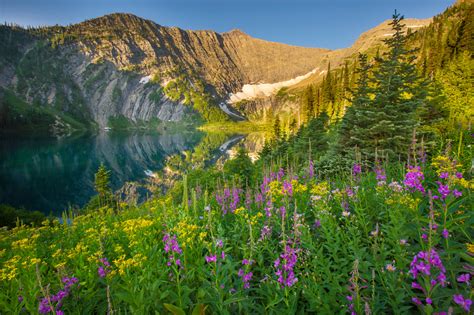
(387, 239)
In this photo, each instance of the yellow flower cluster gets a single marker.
(251, 219)
(25, 244)
(320, 189)
(131, 226)
(276, 188)
(470, 248)
(403, 200)
(124, 264)
(10, 269)
(444, 164)
(188, 233)
(298, 187)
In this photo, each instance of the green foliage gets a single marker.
(182, 90)
(350, 236)
(240, 169)
(17, 115)
(457, 82)
(102, 185)
(382, 119)
(156, 95)
(119, 122)
(11, 217)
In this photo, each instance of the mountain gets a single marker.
(120, 70)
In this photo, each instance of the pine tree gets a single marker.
(354, 122)
(102, 184)
(398, 92)
(277, 128)
(308, 102)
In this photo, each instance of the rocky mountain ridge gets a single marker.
(123, 68)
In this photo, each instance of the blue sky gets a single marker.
(312, 23)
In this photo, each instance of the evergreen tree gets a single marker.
(308, 102)
(102, 184)
(398, 92)
(354, 122)
(277, 128)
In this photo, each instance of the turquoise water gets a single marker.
(50, 175)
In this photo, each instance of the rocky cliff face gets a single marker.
(123, 67)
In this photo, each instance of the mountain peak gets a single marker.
(117, 20)
(237, 31)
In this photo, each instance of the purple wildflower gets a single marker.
(461, 301)
(311, 169)
(287, 188)
(444, 175)
(103, 268)
(212, 258)
(443, 190)
(356, 169)
(464, 278)
(457, 193)
(413, 179)
(172, 247)
(285, 265)
(416, 301)
(317, 224)
(381, 177)
(458, 175)
(445, 233)
(265, 232)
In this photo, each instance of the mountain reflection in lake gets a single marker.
(50, 174)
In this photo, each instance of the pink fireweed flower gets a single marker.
(212, 258)
(246, 277)
(172, 248)
(457, 193)
(427, 268)
(287, 188)
(103, 268)
(317, 224)
(464, 278)
(380, 176)
(416, 301)
(285, 265)
(283, 212)
(356, 169)
(444, 175)
(45, 306)
(265, 233)
(458, 175)
(311, 169)
(461, 301)
(443, 190)
(413, 179)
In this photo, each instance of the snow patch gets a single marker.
(145, 80)
(265, 89)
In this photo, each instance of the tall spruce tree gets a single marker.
(354, 122)
(398, 91)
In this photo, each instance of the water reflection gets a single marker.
(50, 174)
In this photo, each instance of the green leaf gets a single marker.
(199, 309)
(174, 309)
